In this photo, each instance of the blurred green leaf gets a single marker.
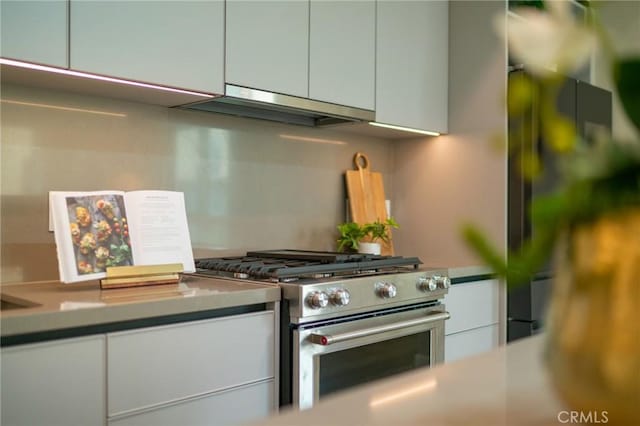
(560, 134)
(488, 253)
(520, 94)
(599, 175)
(530, 165)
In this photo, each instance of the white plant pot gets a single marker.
(369, 248)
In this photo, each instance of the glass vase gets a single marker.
(593, 340)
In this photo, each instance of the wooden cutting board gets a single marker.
(365, 190)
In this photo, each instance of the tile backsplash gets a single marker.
(248, 184)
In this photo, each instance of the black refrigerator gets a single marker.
(590, 108)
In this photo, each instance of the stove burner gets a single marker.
(291, 265)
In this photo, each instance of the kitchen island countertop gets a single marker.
(46, 306)
(507, 386)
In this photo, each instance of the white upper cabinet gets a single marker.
(412, 64)
(342, 52)
(172, 43)
(35, 31)
(318, 49)
(267, 45)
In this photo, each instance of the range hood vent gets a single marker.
(253, 103)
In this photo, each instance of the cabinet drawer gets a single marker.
(470, 342)
(472, 305)
(226, 408)
(156, 365)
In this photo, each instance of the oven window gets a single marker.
(344, 369)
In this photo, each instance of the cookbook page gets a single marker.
(89, 230)
(158, 228)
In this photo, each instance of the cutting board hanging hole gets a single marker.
(361, 161)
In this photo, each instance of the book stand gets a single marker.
(136, 276)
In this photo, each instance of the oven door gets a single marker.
(337, 354)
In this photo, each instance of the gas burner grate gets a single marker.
(291, 265)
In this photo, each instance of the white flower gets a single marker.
(548, 40)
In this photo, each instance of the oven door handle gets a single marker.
(329, 339)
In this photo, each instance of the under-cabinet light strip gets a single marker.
(404, 129)
(99, 77)
(34, 104)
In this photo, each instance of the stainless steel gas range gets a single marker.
(347, 319)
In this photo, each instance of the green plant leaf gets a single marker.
(350, 234)
(487, 252)
(380, 230)
(627, 79)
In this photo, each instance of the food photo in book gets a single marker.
(99, 231)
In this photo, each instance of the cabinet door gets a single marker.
(470, 342)
(472, 305)
(54, 383)
(35, 31)
(412, 64)
(342, 52)
(267, 45)
(172, 43)
(157, 365)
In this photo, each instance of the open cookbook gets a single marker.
(99, 229)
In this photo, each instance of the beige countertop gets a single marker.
(506, 386)
(468, 271)
(49, 305)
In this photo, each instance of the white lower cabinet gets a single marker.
(471, 342)
(187, 367)
(234, 406)
(61, 382)
(219, 371)
(475, 315)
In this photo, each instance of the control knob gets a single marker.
(444, 282)
(317, 299)
(340, 297)
(427, 284)
(386, 290)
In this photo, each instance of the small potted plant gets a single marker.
(364, 238)
(377, 231)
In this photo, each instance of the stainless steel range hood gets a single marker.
(253, 103)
